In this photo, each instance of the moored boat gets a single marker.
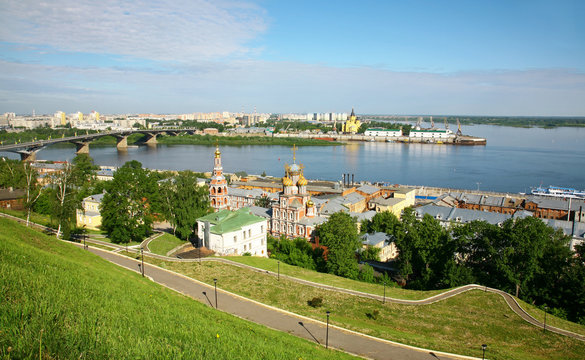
(557, 191)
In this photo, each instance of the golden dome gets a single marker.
(217, 153)
(302, 181)
(286, 181)
(310, 203)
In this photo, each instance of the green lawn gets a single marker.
(165, 243)
(328, 279)
(34, 217)
(459, 324)
(58, 301)
(552, 320)
(108, 240)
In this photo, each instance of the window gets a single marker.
(235, 238)
(249, 232)
(261, 228)
(244, 234)
(244, 247)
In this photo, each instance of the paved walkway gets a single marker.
(346, 340)
(509, 299)
(273, 320)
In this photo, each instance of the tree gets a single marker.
(84, 170)
(385, 222)
(32, 189)
(126, 211)
(183, 202)
(521, 248)
(11, 174)
(371, 253)
(263, 201)
(64, 203)
(340, 236)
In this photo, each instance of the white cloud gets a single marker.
(289, 87)
(179, 30)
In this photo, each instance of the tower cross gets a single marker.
(294, 149)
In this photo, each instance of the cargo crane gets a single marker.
(459, 133)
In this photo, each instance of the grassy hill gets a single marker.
(59, 301)
(459, 324)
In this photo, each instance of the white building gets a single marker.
(378, 132)
(431, 134)
(382, 241)
(234, 232)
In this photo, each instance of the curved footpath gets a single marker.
(340, 338)
(301, 326)
(509, 299)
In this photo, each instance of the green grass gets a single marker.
(538, 314)
(59, 301)
(459, 324)
(108, 240)
(332, 280)
(96, 232)
(34, 217)
(165, 243)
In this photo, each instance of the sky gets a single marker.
(501, 58)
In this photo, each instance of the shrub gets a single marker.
(315, 302)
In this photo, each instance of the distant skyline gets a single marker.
(501, 58)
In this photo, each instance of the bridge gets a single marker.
(28, 150)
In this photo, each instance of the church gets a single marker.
(292, 212)
(352, 125)
(294, 215)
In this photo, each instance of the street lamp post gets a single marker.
(384, 301)
(544, 328)
(215, 285)
(142, 260)
(483, 347)
(327, 332)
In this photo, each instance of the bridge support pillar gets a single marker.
(150, 139)
(82, 147)
(122, 142)
(28, 156)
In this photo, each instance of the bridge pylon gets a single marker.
(82, 147)
(28, 155)
(122, 143)
(150, 138)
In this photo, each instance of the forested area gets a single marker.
(524, 257)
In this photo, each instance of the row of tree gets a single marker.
(522, 256)
(132, 200)
(136, 197)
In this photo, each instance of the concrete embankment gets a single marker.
(454, 140)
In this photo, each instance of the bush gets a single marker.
(246, 254)
(315, 302)
(373, 315)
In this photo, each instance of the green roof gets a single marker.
(226, 221)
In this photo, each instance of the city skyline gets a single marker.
(499, 58)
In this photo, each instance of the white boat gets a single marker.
(560, 192)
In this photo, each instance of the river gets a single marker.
(513, 160)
